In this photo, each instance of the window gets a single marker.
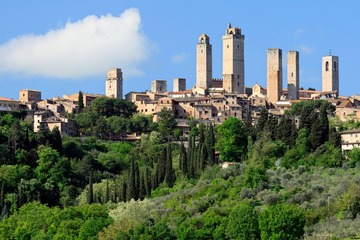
(227, 46)
(238, 46)
(335, 67)
(327, 66)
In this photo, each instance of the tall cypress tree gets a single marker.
(161, 166)
(131, 185)
(324, 123)
(191, 157)
(142, 191)
(55, 142)
(262, 121)
(90, 197)
(183, 160)
(209, 144)
(169, 172)
(147, 181)
(80, 102)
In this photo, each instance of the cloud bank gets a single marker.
(80, 49)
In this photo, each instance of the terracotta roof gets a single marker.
(7, 99)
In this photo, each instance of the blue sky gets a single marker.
(62, 47)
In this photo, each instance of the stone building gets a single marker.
(330, 74)
(274, 75)
(203, 62)
(293, 75)
(233, 60)
(159, 86)
(114, 83)
(27, 95)
(8, 105)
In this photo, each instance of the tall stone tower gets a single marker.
(158, 86)
(179, 84)
(293, 74)
(274, 75)
(114, 83)
(330, 74)
(203, 62)
(233, 60)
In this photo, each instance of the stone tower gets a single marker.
(293, 74)
(203, 62)
(330, 74)
(233, 60)
(179, 84)
(158, 86)
(114, 83)
(274, 75)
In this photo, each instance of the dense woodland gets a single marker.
(289, 179)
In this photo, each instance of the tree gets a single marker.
(262, 120)
(166, 122)
(80, 102)
(55, 142)
(183, 159)
(210, 144)
(169, 171)
(232, 140)
(243, 222)
(282, 221)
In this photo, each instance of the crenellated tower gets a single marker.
(233, 60)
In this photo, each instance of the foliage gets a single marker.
(282, 221)
(231, 140)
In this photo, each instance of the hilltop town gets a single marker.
(211, 100)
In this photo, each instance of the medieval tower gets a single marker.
(179, 84)
(293, 74)
(330, 74)
(203, 62)
(233, 60)
(274, 75)
(114, 83)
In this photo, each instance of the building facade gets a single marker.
(330, 74)
(233, 60)
(293, 75)
(274, 75)
(114, 83)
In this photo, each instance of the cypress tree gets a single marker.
(123, 192)
(324, 123)
(316, 135)
(261, 123)
(202, 158)
(334, 137)
(161, 167)
(137, 181)
(147, 181)
(131, 185)
(90, 197)
(107, 194)
(191, 157)
(142, 191)
(80, 102)
(293, 134)
(169, 172)
(55, 142)
(183, 160)
(209, 144)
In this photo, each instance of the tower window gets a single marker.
(201, 50)
(238, 46)
(292, 74)
(227, 46)
(327, 66)
(238, 84)
(335, 67)
(238, 76)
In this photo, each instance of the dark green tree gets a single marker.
(55, 141)
(80, 102)
(262, 120)
(232, 140)
(282, 221)
(169, 171)
(210, 145)
(183, 159)
(90, 196)
(243, 222)
(131, 185)
(166, 122)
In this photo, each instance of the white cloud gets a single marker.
(181, 57)
(306, 49)
(80, 49)
(299, 32)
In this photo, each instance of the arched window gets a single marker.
(335, 66)
(327, 66)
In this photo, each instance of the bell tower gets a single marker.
(330, 74)
(233, 60)
(114, 83)
(203, 62)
